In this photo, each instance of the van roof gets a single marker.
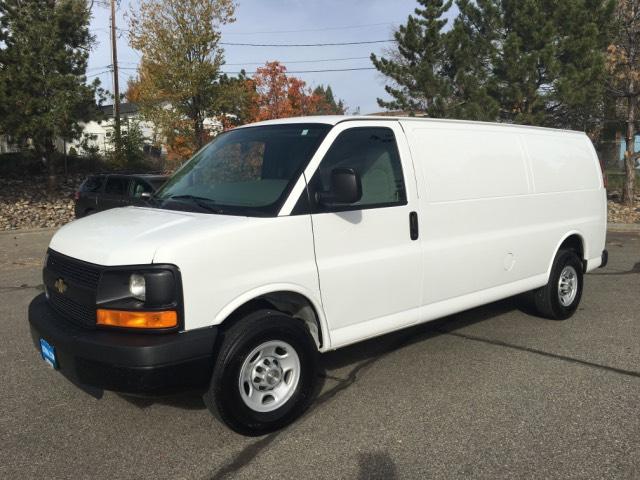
(335, 119)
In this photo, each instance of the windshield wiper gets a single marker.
(199, 201)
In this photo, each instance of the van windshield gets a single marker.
(247, 171)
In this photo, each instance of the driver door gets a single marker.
(368, 256)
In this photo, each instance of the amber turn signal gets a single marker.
(133, 319)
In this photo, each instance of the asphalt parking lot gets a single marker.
(490, 393)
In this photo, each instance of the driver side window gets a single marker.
(372, 152)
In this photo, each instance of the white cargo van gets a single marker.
(286, 238)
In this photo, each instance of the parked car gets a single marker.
(105, 191)
(287, 238)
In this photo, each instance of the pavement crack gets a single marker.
(556, 356)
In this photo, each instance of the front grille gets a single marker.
(74, 270)
(82, 315)
(77, 301)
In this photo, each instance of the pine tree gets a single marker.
(578, 96)
(469, 46)
(416, 68)
(537, 62)
(549, 64)
(44, 47)
(327, 104)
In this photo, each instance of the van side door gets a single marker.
(368, 254)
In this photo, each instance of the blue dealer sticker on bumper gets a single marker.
(48, 353)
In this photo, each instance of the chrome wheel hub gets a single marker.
(269, 376)
(567, 286)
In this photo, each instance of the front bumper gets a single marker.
(134, 363)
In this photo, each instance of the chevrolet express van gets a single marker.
(283, 239)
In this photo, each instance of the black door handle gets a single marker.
(414, 231)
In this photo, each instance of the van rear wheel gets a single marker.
(265, 373)
(559, 299)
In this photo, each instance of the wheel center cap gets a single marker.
(267, 374)
(273, 376)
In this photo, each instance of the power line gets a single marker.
(98, 68)
(302, 44)
(98, 74)
(290, 71)
(313, 71)
(348, 27)
(287, 62)
(283, 62)
(269, 32)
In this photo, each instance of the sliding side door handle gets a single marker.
(414, 230)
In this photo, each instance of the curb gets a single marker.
(624, 227)
(23, 231)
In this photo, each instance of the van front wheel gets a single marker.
(265, 373)
(559, 299)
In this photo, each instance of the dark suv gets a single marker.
(102, 192)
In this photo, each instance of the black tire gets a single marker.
(224, 398)
(546, 300)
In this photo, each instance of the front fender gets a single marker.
(250, 295)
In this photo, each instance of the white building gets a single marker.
(97, 135)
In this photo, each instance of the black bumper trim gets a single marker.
(126, 362)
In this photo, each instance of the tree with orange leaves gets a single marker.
(281, 96)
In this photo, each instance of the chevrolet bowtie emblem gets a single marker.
(60, 286)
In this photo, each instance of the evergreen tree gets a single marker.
(236, 101)
(327, 104)
(44, 47)
(467, 58)
(538, 62)
(416, 69)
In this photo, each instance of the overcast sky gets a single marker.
(281, 21)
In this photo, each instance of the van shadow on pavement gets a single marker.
(360, 355)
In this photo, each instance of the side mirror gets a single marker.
(345, 189)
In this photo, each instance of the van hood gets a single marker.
(132, 235)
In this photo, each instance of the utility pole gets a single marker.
(116, 87)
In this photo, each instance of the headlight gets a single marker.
(137, 287)
(145, 296)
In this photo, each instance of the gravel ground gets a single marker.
(489, 393)
(24, 204)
